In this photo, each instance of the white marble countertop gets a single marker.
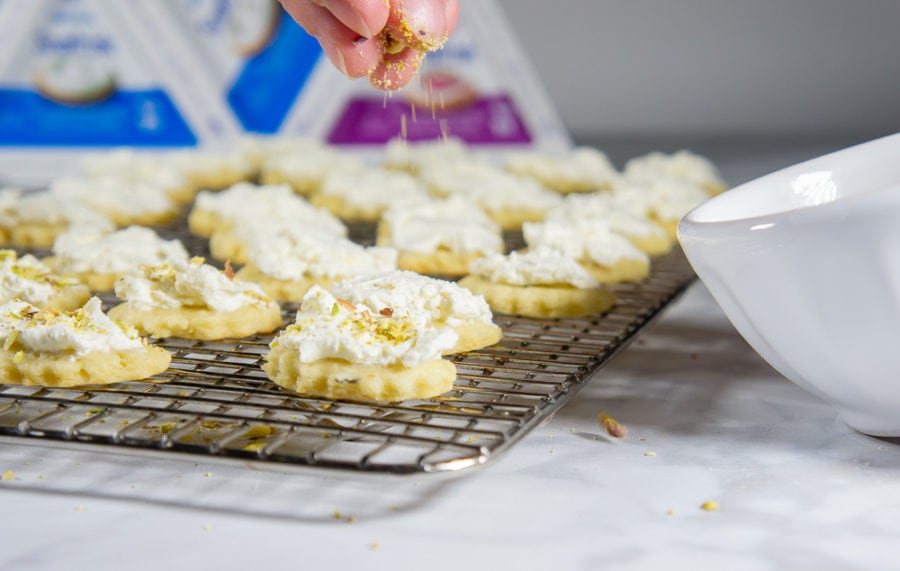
(707, 420)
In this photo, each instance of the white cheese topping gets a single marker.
(190, 284)
(257, 148)
(275, 204)
(539, 267)
(116, 195)
(49, 208)
(602, 208)
(454, 224)
(312, 164)
(132, 166)
(372, 188)
(419, 155)
(293, 254)
(28, 279)
(682, 165)
(582, 240)
(666, 198)
(444, 302)
(24, 327)
(83, 251)
(329, 327)
(205, 165)
(490, 187)
(582, 167)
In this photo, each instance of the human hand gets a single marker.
(383, 39)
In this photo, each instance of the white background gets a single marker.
(709, 68)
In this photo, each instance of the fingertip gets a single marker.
(419, 23)
(451, 15)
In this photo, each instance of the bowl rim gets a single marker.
(853, 152)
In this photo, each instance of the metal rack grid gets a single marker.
(215, 400)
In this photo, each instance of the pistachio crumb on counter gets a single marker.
(709, 506)
(612, 426)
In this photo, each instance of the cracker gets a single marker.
(338, 379)
(540, 301)
(92, 369)
(200, 323)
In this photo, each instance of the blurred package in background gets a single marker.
(83, 76)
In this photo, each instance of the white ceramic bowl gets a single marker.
(806, 264)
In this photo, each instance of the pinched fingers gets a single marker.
(350, 52)
(384, 39)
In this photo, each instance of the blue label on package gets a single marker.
(125, 118)
(265, 90)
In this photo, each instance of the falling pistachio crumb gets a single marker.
(709, 506)
(351, 519)
(649, 453)
(8, 475)
(337, 514)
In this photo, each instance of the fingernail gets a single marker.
(350, 17)
(359, 25)
(334, 54)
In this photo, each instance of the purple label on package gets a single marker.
(491, 120)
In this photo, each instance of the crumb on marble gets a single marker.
(8, 475)
(709, 506)
(612, 426)
(670, 511)
(374, 546)
(649, 453)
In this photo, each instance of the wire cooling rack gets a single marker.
(215, 400)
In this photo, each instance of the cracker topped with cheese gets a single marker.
(193, 300)
(337, 349)
(84, 346)
(539, 283)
